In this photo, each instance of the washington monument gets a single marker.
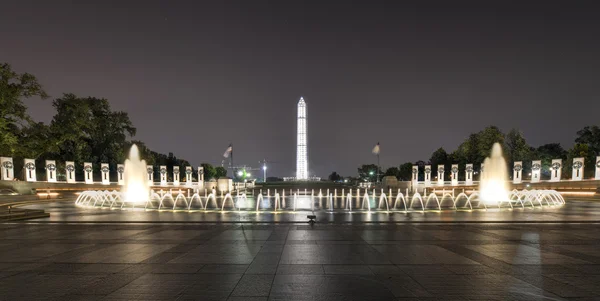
(301, 146)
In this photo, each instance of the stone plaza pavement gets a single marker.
(153, 261)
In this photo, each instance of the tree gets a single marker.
(486, 139)
(392, 171)
(209, 171)
(220, 172)
(86, 129)
(579, 150)
(546, 153)
(515, 146)
(517, 149)
(14, 88)
(334, 177)
(405, 173)
(368, 172)
(439, 157)
(478, 146)
(590, 135)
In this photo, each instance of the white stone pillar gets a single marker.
(105, 172)
(30, 170)
(188, 176)
(415, 175)
(518, 172)
(469, 174)
(176, 175)
(454, 174)
(70, 171)
(536, 171)
(120, 174)
(556, 169)
(200, 177)
(427, 175)
(577, 169)
(441, 175)
(51, 171)
(150, 173)
(481, 171)
(8, 169)
(88, 172)
(163, 175)
(597, 168)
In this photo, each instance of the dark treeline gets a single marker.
(478, 146)
(83, 129)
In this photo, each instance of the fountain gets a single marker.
(136, 188)
(493, 184)
(493, 193)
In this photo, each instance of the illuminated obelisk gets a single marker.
(301, 146)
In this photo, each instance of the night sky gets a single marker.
(197, 75)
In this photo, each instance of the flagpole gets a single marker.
(231, 159)
(378, 168)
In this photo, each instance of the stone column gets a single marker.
(469, 174)
(51, 171)
(176, 175)
(518, 172)
(150, 173)
(556, 169)
(454, 174)
(163, 175)
(536, 171)
(8, 169)
(188, 176)
(200, 178)
(105, 172)
(427, 175)
(88, 172)
(415, 175)
(121, 174)
(597, 177)
(577, 169)
(30, 170)
(441, 175)
(70, 171)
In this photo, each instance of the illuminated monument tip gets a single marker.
(301, 145)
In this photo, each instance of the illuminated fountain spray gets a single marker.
(493, 193)
(136, 188)
(493, 184)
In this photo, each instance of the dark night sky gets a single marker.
(195, 76)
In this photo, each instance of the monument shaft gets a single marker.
(301, 144)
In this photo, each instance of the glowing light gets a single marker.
(492, 186)
(264, 167)
(47, 194)
(578, 193)
(136, 188)
(240, 173)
